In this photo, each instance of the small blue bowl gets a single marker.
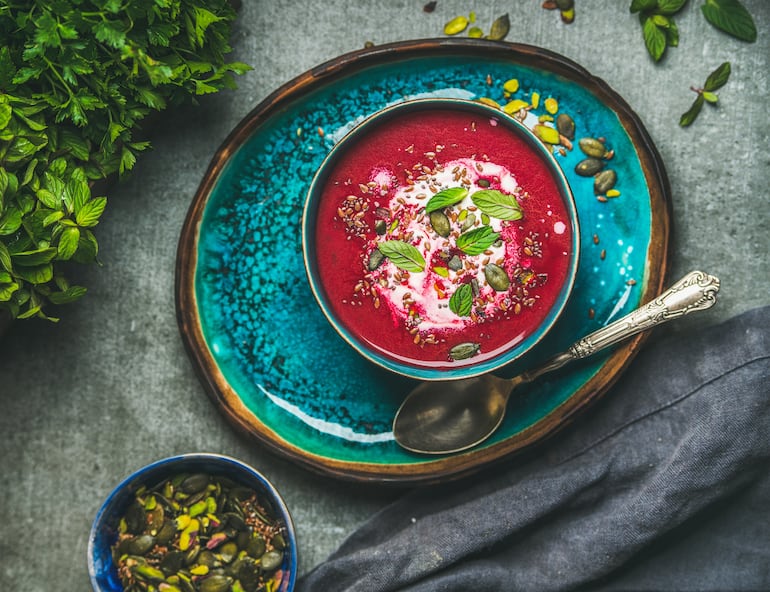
(104, 532)
(394, 361)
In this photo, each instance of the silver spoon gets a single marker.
(448, 416)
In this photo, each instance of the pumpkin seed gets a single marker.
(271, 560)
(496, 277)
(593, 147)
(469, 221)
(380, 226)
(605, 181)
(440, 223)
(463, 351)
(216, 583)
(589, 167)
(375, 259)
(140, 544)
(455, 263)
(566, 126)
(194, 483)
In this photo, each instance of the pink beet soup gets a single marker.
(442, 238)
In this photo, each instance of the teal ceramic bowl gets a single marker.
(104, 532)
(440, 249)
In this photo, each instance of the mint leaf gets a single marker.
(403, 255)
(718, 78)
(669, 7)
(497, 204)
(461, 301)
(445, 198)
(641, 5)
(91, 211)
(477, 240)
(68, 242)
(654, 39)
(690, 116)
(731, 17)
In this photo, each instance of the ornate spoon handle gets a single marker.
(695, 291)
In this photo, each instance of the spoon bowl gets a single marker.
(445, 417)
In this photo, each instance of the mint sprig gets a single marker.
(716, 80)
(661, 32)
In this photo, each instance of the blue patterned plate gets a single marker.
(267, 355)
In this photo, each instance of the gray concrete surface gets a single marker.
(109, 388)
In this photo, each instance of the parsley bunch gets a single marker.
(77, 77)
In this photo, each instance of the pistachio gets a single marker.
(496, 277)
(566, 126)
(440, 223)
(148, 573)
(463, 351)
(589, 167)
(605, 181)
(546, 133)
(593, 147)
(456, 25)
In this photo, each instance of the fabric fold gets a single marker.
(662, 485)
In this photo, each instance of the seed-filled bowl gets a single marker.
(440, 237)
(193, 523)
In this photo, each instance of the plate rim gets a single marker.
(450, 467)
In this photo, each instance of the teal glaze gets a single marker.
(264, 329)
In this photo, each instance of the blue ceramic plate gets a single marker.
(267, 355)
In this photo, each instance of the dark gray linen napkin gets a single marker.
(663, 485)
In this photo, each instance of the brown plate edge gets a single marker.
(450, 467)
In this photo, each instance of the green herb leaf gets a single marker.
(670, 7)
(91, 211)
(692, 113)
(402, 255)
(672, 34)
(654, 39)
(477, 240)
(34, 258)
(445, 198)
(731, 17)
(643, 5)
(5, 257)
(718, 78)
(68, 243)
(710, 97)
(497, 204)
(461, 302)
(69, 295)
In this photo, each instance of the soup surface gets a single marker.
(442, 238)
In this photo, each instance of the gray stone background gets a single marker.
(110, 388)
